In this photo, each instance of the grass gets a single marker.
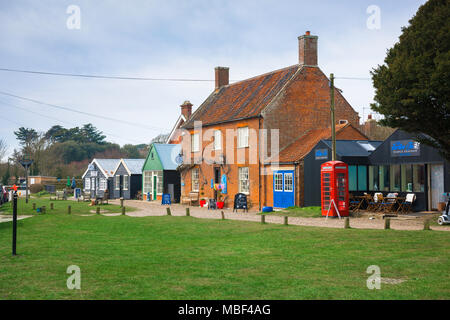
(171, 257)
(304, 212)
(60, 207)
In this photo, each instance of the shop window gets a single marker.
(352, 178)
(244, 180)
(147, 182)
(384, 178)
(407, 178)
(395, 177)
(362, 178)
(278, 181)
(374, 182)
(419, 178)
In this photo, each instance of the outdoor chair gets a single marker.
(86, 196)
(388, 203)
(355, 203)
(373, 203)
(406, 206)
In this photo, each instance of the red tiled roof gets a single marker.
(299, 148)
(243, 99)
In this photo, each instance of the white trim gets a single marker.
(94, 161)
(124, 165)
(181, 117)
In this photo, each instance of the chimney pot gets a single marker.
(369, 117)
(186, 109)
(307, 49)
(222, 76)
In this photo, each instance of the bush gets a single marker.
(35, 188)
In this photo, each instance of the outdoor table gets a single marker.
(362, 201)
(400, 202)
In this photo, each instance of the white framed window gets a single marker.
(288, 182)
(195, 142)
(244, 185)
(159, 182)
(243, 137)
(147, 183)
(87, 184)
(195, 180)
(103, 184)
(117, 182)
(278, 181)
(217, 140)
(126, 182)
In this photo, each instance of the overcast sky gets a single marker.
(174, 39)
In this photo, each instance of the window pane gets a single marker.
(243, 137)
(352, 182)
(384, 174)
(288, 182)
(195, 142)
(419, 178)
(159, 182)
(278, 181)
(243, 180)
(195, 184)
(374, 183)
(217, 140)
(406, 173)
(395, 177)
(125, 182)
(362, 178)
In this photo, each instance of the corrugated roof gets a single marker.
(243, 99)
(108, 165)
(353, 148)
(134, 165)
(167, 154)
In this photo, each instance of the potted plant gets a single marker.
(220, 203)
(202, 200)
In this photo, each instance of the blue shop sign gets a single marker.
(321, 154)
(405, 148)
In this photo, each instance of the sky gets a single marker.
(174, 39)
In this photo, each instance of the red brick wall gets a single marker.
(305, 104)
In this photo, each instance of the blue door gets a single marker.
(283, 189)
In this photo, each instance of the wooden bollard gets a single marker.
(69, 209)
(168, 212)
(43, 209)
(123, 210)
(188, 213)
(426, 224)
(34, 206)
(263, 218)
(51, 206)
(286, 220)
(98, 210)
(121, 202)
(347, 223)
(387, 223)
(223, 215)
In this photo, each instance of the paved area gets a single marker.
(146, 208)
(7, 218)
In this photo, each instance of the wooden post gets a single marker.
(121, 202)
(98, 210)
(51, 206)
(285, 220)
(223, 215)
(34, 206)
(168, 211)
(426, 224)
(123, 211)
(187, 212)
(44, 209)
(347, 223)
(387, 223)
(263, 218)
(69, 209)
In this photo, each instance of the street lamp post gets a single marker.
(26, 162)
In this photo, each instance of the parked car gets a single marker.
(3, 194)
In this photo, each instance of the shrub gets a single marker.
(35, 188)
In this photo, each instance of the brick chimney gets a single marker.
(186, 109)
(222, 76)
(307, 49)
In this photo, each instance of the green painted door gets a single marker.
(154, 187)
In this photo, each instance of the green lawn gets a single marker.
(170, 257)
(59, 207)
(304, 212)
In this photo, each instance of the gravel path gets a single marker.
(145, 209)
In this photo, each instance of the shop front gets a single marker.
(402, 165)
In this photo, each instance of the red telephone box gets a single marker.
(334, 188)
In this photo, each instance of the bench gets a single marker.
(190, 199)
(86, 196)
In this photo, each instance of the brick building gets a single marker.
(241, 119)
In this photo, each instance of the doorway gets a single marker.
(436, 185)
(154, 187)
(216, 180)
(283, 189)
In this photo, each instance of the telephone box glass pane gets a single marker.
(341, 186)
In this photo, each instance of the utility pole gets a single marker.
(26, 162)
(333, 122)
